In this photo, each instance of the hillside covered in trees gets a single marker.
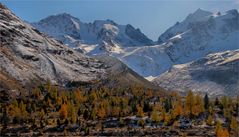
(135, 110)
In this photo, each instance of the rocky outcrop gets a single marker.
(106, 34)
(215, 74)
(27, 55)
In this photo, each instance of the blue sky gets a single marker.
(153, 17)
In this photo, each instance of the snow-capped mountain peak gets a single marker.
(198, 35)
(185, 42)
(233, 12)
(188, 41)
(60, 24)
(28, 56)
(101, 35)
(180, 27)
(102, 22)
(197, 15)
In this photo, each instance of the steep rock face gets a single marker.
(121, 75)
(93, 38)
(27, 55)
(184, 25)
(215, 74)
(136, 34)
(147, 60)
(202, 33)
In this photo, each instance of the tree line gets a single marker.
(49, 105)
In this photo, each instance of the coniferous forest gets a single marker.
(117, 111)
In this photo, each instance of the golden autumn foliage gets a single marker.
(163, 114)
(178, 107)
(218, 126)
(155, 116)
(115, 111)
(78, 106)
(63, 111)
(234, 124)
(189, 103)
(17, 110)
(140, 112)
(198, 105)
(93, 96)
(222, 132)
(101, 113)
(79, 97)
(194, 104)
(71, 112)
(167, 119)
(209, 120)
(149, 94)
(36, 93)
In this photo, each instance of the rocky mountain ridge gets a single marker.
(93, 38)
(216, 74)
(28, 56)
